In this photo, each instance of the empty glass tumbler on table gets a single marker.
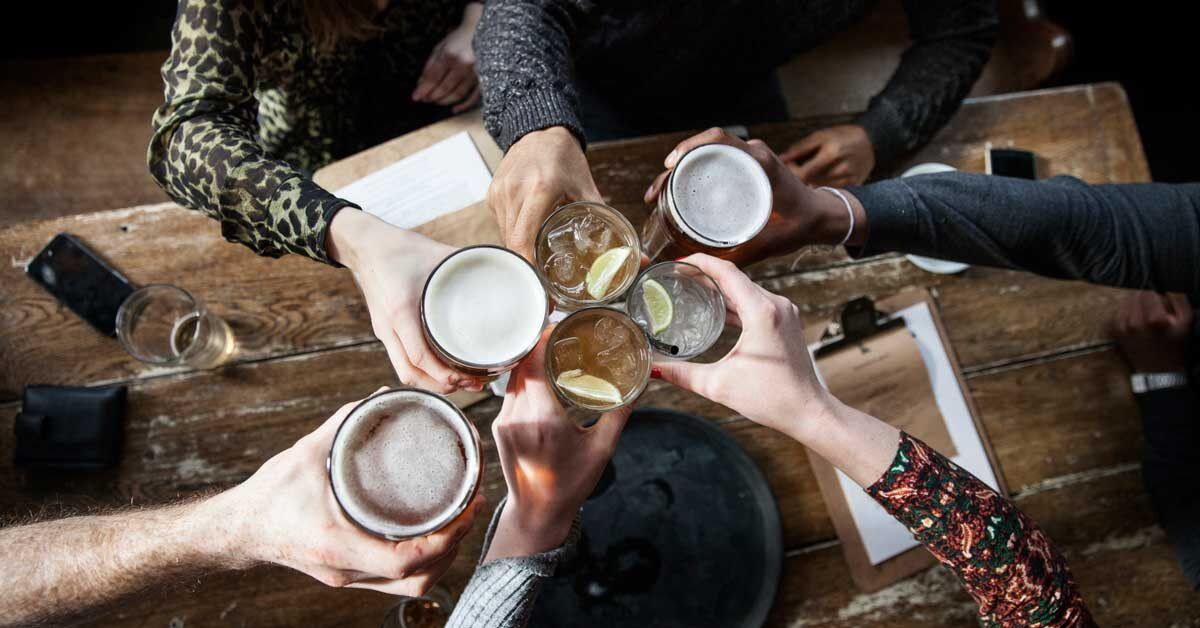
(679, 307)
(166, 326)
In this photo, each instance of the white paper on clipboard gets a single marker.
(445, 177)
(883, 536)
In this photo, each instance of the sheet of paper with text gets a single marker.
(445, 177)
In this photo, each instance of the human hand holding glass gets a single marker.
(391, 265)
(541, 171)
(550, 463)
(286, 514)
(800, 215)
(769, 378)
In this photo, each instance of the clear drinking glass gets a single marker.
(166, 326)
(431, 610)
(598, 359)
(572, 242)
(696, 308)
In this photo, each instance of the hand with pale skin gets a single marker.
(449, 77)
(391, 265)
(284, 514)
(551, 464)
(800, 215)
(769, 378)
(541, 171)
(1153, 331)
(837, 156)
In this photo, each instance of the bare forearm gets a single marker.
(76, 567)
(860, 445)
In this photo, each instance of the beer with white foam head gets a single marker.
(404, 463)
(715, 200)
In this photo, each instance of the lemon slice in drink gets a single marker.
(659, 306)
(604, 269)
(589, 387)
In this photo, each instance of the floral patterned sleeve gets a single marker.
(1005, 561)
(204, 152)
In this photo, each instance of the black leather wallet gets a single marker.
(62, 427)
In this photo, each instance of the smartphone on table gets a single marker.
(1012, 162)
(81, 280)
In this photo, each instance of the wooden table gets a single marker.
(1052, 392)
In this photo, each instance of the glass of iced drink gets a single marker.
(599, 359)
(679, 307)
(587, 254)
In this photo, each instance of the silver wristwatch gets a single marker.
(1146, 382)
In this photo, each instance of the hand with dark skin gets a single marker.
(449, 77)
(837, 156)
(1153, 331)
(800, 215)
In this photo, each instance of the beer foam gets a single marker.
(403, 463)
(485, 306)
(721, 195)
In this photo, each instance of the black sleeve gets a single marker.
(952, 40)
(1134, 235)
(1171, 470)
(523, 57)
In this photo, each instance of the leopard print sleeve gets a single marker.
(1005, 561)
(203, 152)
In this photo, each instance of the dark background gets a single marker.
(1149, 47)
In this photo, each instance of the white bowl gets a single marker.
(931, 264)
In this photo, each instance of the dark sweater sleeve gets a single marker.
(523, 57)
(1132, 235)
(203, 152)
(951, 42)
(1007, 564)
(1171, 469)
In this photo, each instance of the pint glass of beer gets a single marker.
(404, 463)
(715, 200)
(483, 309)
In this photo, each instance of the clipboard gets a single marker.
(862, 322)
(475, 224)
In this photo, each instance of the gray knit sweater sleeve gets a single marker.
(951, 42)
(501, 593)
(523, 57)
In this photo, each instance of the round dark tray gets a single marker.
(682, 532)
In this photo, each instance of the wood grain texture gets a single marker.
(237, 417)
(1051, 392)
(75, 133)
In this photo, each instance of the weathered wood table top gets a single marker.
(1052, 392)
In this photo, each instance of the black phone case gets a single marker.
(81, 280)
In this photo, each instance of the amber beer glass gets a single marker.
(715, 200)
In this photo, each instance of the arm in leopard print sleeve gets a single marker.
(203, 151)
(1005, 561)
